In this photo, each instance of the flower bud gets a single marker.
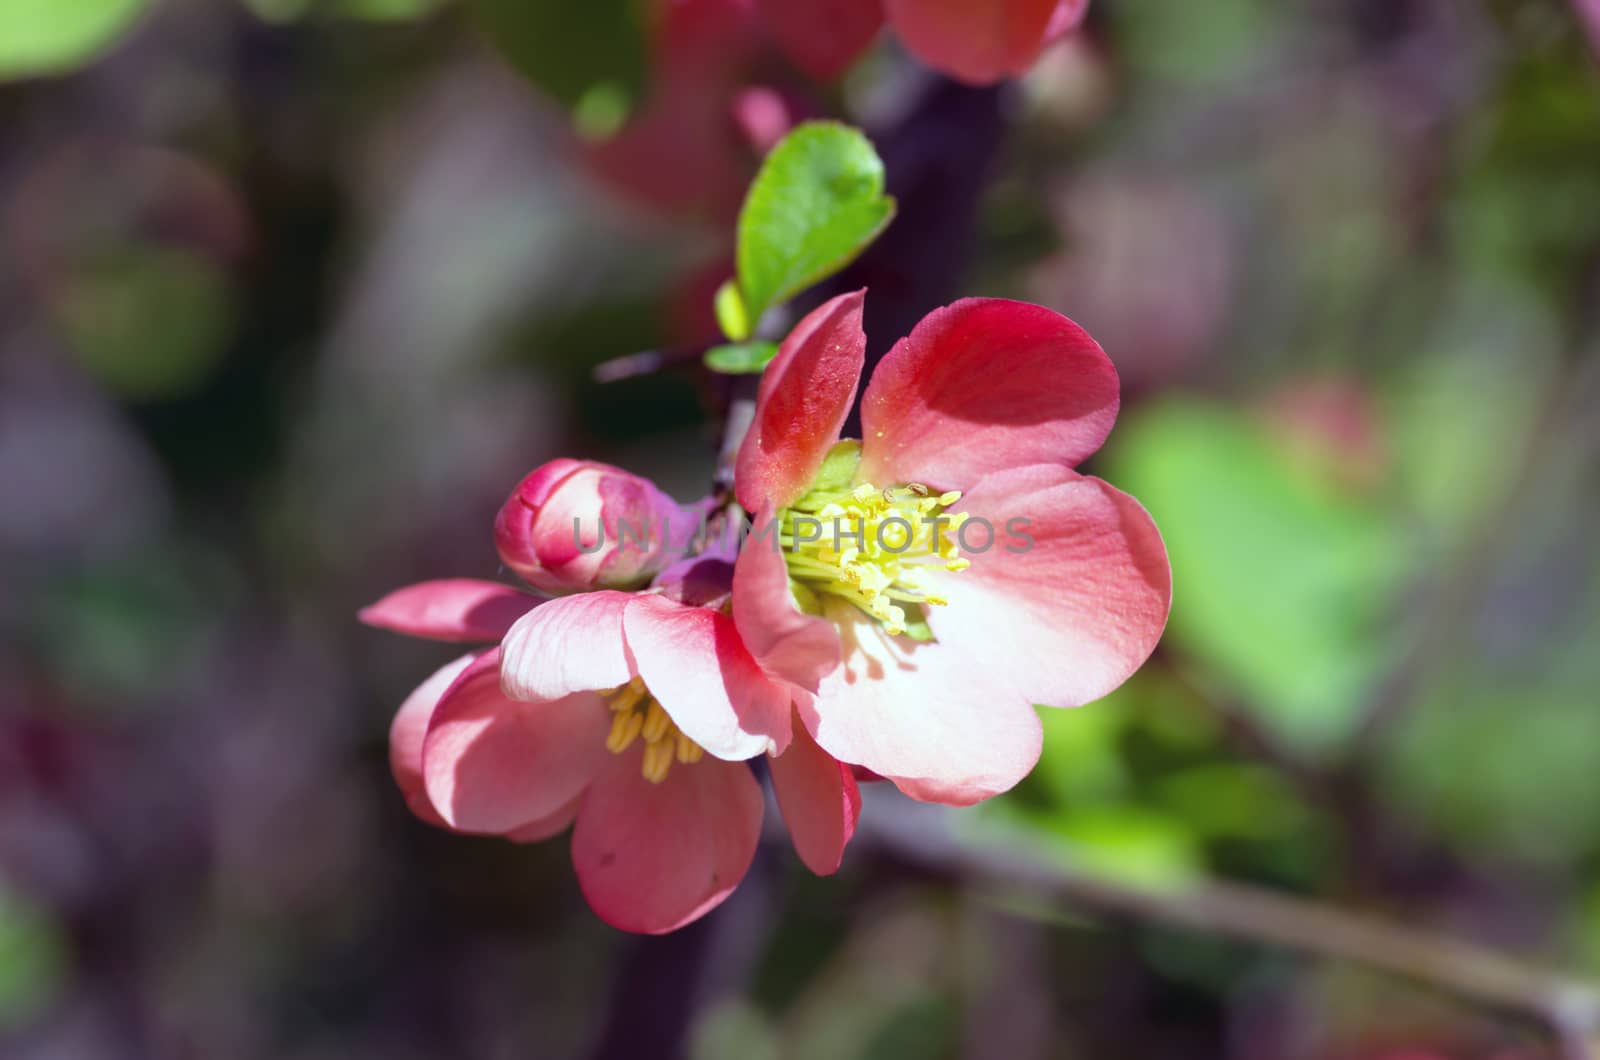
(576, 525)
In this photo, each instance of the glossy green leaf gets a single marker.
(740, 358)
(816, 204)
(56, 36)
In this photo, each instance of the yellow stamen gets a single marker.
(657, 761)
(624, 730)
(874, 548)
(656, 723)
(635, 713)
(687, 751)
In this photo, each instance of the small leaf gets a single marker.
(740, 358)
(570, 50)
(732, 317)
(53, 36)
(816, 204)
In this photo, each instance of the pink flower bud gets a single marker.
(576, 525)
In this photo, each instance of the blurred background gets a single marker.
(292, 292)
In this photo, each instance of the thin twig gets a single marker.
(1568, 1008)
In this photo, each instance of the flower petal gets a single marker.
(410, 727)
(569, 645)
(545, 827)
(693, 662)
(798, 647)
(983, 385)
(978, 43)
(804, 397)
(937, 722)
(1082, 602)
(823, 37)
(653, 857)
(819, 799)
(494, 765)
(452, 609)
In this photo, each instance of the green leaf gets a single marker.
(33, 959)
(816, 204)
(740, 358)
(590, 54)
(56, 36)
(732, 316)
(1285, 581)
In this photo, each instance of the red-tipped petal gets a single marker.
(452, 609)
(823, 37)
(984, 385)
(978, 43)
(820, 802)
(804, 397)
(1081, 602)
(693, 662)
(410, 728)
(650, 857)
(569, 645)
(494, 765)
(798, 647)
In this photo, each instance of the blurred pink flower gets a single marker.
(685, 151)
(512, 741)
(908, 657)
(978, 43)
(574, 525)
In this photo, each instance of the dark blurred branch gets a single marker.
(1568, 1008)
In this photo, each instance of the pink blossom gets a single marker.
(573, 525)
(979, 43)
(921, 661)
(624, 715)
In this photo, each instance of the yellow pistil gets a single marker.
(636, 714)
(872, 546)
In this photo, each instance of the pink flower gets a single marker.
(991, 576)
(683, 152)
(624, 715)
(979, 43)
(573, 525)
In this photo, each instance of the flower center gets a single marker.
(873, 547)
(635, 714)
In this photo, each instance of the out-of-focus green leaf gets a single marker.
(32, 959)
(571, 50)
(1225, 800)
(387, 10)
(1284, 581)
(816, 204)
(55, 36)
(1503, 753)
(148, 322)
(741, 358)
(1198, 43)
(1081, 760)
(1466, 410)
(1510, 768)
(1131, 844)
(734, 1030)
